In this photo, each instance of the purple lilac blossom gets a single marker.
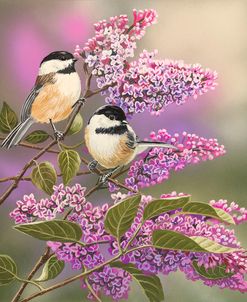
(155, 166)
(115, 282)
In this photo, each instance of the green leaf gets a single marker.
(69, 162)
(167, 239)
(54, 230)
(120, 217)
(8, 119)
(159, 206)
(44, 177)
(36, 137)
(53, 267)
(218, 272)
(200, 208)
(76, 125)
(150, 284)
(8, 269)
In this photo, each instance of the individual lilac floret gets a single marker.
(114, 41)
(151, 84)
(29, 209)
(155, 166)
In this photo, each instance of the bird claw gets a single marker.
(104, 178)
(59, 136)
(92, 166)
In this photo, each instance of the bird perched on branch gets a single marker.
(56, 90)
(112, 142)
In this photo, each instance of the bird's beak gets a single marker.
(75, 60)
(124, 123)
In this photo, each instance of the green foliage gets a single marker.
(159, 206)
(8, 119)
(218, 272)
(36, 137)
(54, 230)
(69, 162)
(120, 217)
(167, 239)
(52, 268)
(150, 284)
(207, 210)
(76, 125)
(44, 177)
(8, 270)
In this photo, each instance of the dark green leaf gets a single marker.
(8, 269)
(159, 206)
(69, 162)
(76, 125)
(54, 230)
(44, 177)
(8, 119)
(53, 267)
(218, 272)
(120, 217)
(38, 136)
(150, 284)
(200, 208)
(166, 239)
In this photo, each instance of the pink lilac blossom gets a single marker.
(114, 41)
(151, 84)
(115, 282)
(155, 166)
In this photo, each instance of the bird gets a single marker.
(112, 142)
(56, 90)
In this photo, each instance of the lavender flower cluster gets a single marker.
(155, 166)
(115, 282)
(150, 84)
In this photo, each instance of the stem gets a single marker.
(39, 263)
(29, 281)
(92, 291)
(134, 236)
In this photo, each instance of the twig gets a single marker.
(92, 290)
(39, 263)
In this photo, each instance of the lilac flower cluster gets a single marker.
(155, 166)
(98, 245)
(155, 261)
(114, 41)
(150, 84)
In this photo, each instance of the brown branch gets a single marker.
(39, 263)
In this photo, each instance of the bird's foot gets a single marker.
(59, 135)
(80, 101)
(104, 178)
(92, 165)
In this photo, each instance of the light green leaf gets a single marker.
(159, 206)
(8, 269)
(53, 230)
(44, 177)
(167, 239)
(76, 125)
(8, 119)
(120, 217)
(53, 267)
(36, 137)
(200, 208)
(69, 163)
(218, 272)
(150, 284)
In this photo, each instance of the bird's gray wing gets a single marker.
(26, 108)
(131, 140)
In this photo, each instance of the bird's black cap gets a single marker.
(112, 110)
(58, 55)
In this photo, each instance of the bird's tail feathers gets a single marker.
(16, 135)
(143, 145)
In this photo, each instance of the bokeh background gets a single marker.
(211, 32)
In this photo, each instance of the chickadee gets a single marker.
(112, 142)
(56, 90)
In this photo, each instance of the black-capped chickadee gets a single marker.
(112, 142)
(56, 90)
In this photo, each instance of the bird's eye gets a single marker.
(63, 58)
(112, 117)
